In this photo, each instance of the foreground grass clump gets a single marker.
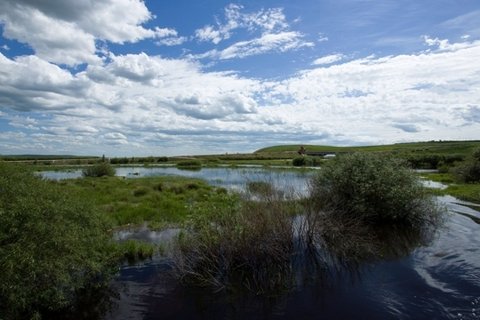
(100, 169)
(52, 246)
(239, 244)
(372, 188)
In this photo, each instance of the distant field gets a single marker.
(22, 157)
(436, 147)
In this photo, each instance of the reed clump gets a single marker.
(240, 243)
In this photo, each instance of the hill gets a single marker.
(430, 147)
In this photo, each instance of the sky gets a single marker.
(140, 78)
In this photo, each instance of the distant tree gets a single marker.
(302, 151)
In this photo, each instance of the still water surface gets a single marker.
(437, 280)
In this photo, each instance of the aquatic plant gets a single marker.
(134, 250)
(238, 244)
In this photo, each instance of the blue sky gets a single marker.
(126, 77)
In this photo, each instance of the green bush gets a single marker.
(189, 164)
(141, 191)
(469, 171)
(299, 161)
(99, 170)
(373, 188)
(52, 245)
(306, 161)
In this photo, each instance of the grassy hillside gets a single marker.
(434, 147)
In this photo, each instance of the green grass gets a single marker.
(135, 250)
(158, 200)
(468, 192)
(463, 191)
(444, 147)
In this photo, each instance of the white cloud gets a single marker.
(171, 41)
(65, 32)
(322, 37)
(271, 20)
(5, 47)
(370, 99)
(278, 42)
(328, 59)
(141, 104)
(444, 44)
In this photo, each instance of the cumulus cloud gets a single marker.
(206, 108)
(65, 32)
(361, 97)
(141, 104)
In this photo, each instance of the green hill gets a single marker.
(433, 147)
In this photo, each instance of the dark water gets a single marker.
(436, 277)
(439, 280)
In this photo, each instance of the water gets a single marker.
(231, 178)
(440, 280)
(415, 279)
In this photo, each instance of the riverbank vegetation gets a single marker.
(56, 236)
(462, 180)
(159, 201)
(256, 243)
(53, 246)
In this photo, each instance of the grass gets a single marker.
(443, 147)
(464, 191)
(157, 200)
(134, 250)
(53, 244)
(468, 192)
(238, 245)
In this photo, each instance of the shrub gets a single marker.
(306, 161)
(141, 191)
(469, 171)
(52, 245)
(189, 164)
(299, 161)
(373, 188)
(99, 170)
